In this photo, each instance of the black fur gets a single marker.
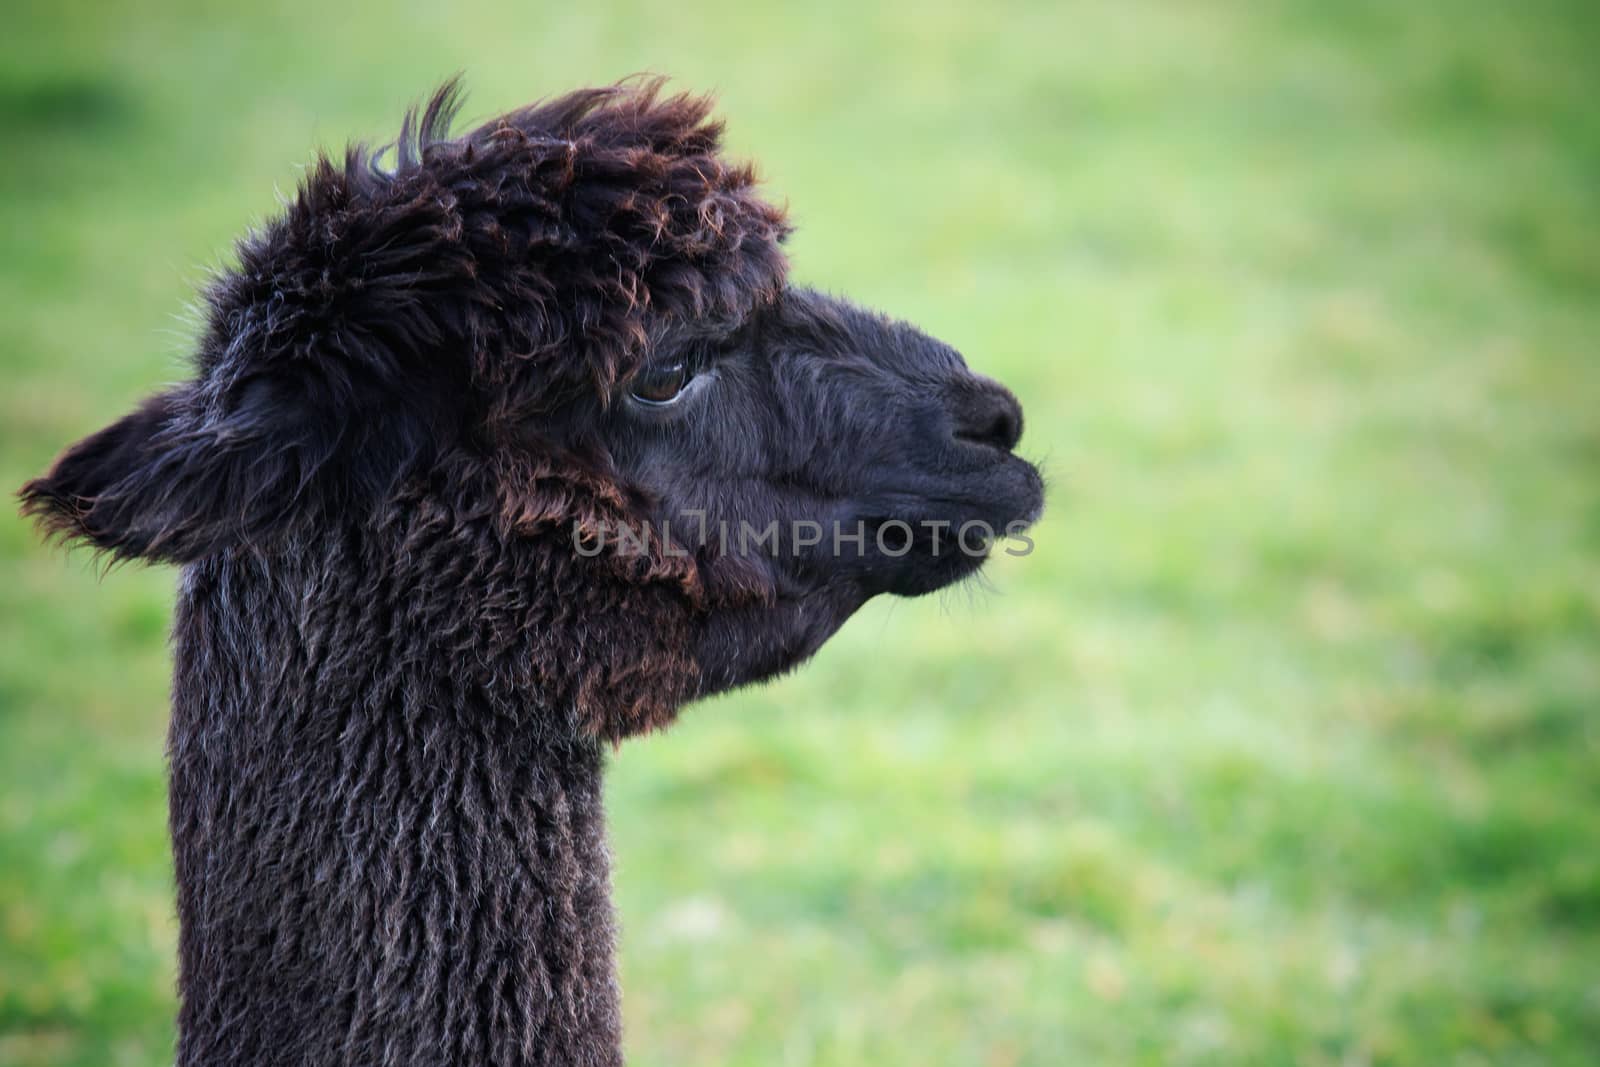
(397, 659)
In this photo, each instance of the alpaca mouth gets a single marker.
(926, 542)
(1006, 498)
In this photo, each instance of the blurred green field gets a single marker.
(1281, 748)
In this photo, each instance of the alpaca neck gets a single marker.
(376, 865)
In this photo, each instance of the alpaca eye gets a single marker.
(661, 384)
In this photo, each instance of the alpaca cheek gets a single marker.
(642, 676)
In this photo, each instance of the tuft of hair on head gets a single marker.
(421, 129)
(387, 320)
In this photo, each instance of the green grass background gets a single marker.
(1281, 748)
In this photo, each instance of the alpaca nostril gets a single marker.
(992, 418)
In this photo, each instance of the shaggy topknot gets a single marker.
(557, 239)
(480, 283)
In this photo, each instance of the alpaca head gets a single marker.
(819, 449)
(560, 354)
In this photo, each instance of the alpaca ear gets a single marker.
(174, 481)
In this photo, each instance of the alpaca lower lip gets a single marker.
(944, 538)
(1030, 514)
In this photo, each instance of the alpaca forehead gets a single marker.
(835, 326)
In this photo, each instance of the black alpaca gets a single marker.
(429, 398)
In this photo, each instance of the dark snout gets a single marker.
(964, 479)
(986, 414)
